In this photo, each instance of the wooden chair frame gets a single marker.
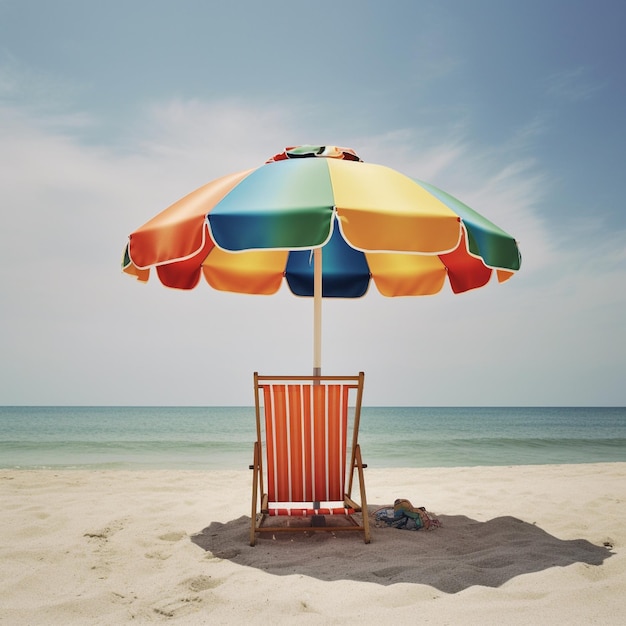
(261, 504)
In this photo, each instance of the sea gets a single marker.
(221, 438)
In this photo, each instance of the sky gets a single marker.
(110, 112)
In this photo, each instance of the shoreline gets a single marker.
(519, 544)
(242, 467)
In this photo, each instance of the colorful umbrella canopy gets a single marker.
(246, 232)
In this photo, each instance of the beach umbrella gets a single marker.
(327, 224)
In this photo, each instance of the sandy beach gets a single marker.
(519, 545)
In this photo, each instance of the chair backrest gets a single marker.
(306, 425)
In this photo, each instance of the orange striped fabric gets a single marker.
(306, 434)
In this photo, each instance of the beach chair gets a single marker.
(306, 455)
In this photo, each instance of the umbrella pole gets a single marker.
(317, 312)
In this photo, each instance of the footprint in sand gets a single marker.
(179, 607)
(158, 555)
(105, 533)
(202, 583)
(173, 536)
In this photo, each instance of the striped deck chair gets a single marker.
(304, 425)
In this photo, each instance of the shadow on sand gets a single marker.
(461, 554)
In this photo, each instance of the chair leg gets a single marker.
(364, 511)
(255, 483)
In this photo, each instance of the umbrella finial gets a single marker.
(306, 151)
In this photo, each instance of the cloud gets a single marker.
(574, 85)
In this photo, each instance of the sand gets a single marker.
(519, 545)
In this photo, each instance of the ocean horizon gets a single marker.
(213, 438)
